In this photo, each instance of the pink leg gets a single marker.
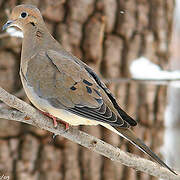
(51, 116)
(55, 120)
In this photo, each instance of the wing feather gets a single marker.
(86, 91)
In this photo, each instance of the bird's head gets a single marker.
(23, 15)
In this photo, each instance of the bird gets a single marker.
(62, 86)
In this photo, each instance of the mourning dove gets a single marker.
(62, 86)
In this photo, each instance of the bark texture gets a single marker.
(108, 35)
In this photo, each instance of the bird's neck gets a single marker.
(34, 38)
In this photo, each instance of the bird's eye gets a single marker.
(23, 14)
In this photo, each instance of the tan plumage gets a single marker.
(58, 83)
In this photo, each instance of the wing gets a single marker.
(76, 88)
(95, 100)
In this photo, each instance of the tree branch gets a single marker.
(27, 114)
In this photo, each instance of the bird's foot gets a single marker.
(65, 123)
(55, 120)
(51, 116)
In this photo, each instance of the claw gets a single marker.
(54, 121)
(51, 116)
(65, 123)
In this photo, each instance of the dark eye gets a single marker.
(23, 14)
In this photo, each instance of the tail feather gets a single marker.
(130, 136)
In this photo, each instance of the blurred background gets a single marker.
(108, 35)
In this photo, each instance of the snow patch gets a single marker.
(143, 68)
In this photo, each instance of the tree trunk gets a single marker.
(108, 35)
(171, 147)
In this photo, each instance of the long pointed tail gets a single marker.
(130, 136)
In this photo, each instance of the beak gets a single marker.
(8, 24)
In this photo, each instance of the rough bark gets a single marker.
(108, 35)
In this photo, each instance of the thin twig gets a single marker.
(141, 81)
(30, 115)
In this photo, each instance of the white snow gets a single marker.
(143, 68)
(14, 32)
(122, 12)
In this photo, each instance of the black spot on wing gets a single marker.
(87, 82)
(73, 88)
(97, 92)
(100, 101)
(89, 90)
